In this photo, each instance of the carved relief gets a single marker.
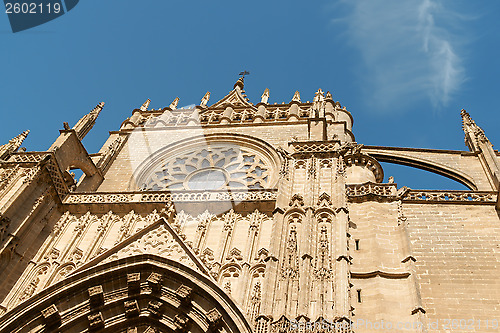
(35, 283)
(255, 299)
(290, 266)
(253, 303)
(159, 242)
(63, 271)
(108, 154)
(323, 270)
(230, 278)
(282, 325)
(234, 255)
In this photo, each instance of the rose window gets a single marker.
(212, 167)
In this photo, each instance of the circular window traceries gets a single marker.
(211, 167)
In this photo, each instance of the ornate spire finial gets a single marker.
(85, 124)
(328, 95)
(318, 96)
(319, 103)
(296, 97)
(13, 145)
(265, 96)
(174, 104)
(473, 133)
(145, 105)
(239, 84)
(205, 99)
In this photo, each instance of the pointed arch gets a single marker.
(178, 298)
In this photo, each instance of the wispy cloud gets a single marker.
(409, 49)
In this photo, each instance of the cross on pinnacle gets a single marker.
(244, 73)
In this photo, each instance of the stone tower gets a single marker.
(242, 217)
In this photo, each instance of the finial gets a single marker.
(296, 97)
(205, 99)
(265, 96)
(473, 133)
(328, 95)
(20, 138)
(98, 107)
(13, 145)
(85, 124)
(174, 104)
(318, 96)
(239, 84)
(145, 106)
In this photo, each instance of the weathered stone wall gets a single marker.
(457, 248)
(382, 287)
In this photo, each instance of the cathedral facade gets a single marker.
(242, 217)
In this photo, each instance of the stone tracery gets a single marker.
(210, 168)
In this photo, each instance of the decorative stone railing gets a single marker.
(28, 157)
(367, 190)
(450, 196)
(315, 147)
(163, 197)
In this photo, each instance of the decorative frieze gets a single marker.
(163, 197)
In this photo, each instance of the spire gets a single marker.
(296, 97)
(174, 104)
(13, 145)
(145, 106)
(473, 133)
(85, 124)
(328, 95)
(205, 99)
(265, 96)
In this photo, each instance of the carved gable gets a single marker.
(158, 239)
(235, 98)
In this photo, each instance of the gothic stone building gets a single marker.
(242, 217)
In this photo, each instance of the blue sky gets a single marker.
(404, 69)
